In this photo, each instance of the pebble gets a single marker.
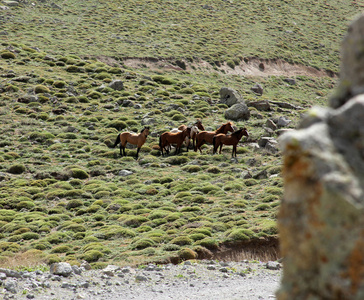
(205, 279)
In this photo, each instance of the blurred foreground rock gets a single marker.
(321, 218)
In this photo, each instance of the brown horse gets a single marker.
(206, 136)
(194, 131)
(229, 139)
(168, 138)
(132, 138)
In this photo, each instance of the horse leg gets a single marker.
(137, 154)
(220, 148)
(188, 143)
(198, 145)
(234, 151)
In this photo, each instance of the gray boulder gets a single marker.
(351, 81)
(283, 121)
(321, 214)
(117, 85)
(238, 111)
(260, 105)
(270, 124)
(62, 269)
(230, 96)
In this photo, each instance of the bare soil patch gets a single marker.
(247, 67)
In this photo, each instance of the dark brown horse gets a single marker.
(194, 131)
(206, 136)
(229, 139)
(132, 138)
(168, 138)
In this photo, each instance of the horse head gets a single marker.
(245, 132)
(145, 130)
(194, 129)
(199, 124)
(229, 127)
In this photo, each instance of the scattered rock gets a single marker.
(283, 121)
(238, 111)
(260, 105)
(62, 269)
(270, 124)
(10, 273)
(272, 146)
(291, 81)
(110, 270)
(148, 121)
(10, 3)
(117, 85)
(258, 89)
(141, 278)
(285, 105)
(264, 140)
(273, 265)
(11, 285)
(230, 96)
(124, 173)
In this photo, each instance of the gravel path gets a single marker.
(189, 280)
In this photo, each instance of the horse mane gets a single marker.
(236, 132)
(146, 127)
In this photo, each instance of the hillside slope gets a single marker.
(66, 195)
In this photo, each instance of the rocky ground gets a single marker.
(189, 280)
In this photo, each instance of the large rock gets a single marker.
(62, 269)
(352, 64)
(321, 220)
(238, 111)
(230, 96)
(117, 85)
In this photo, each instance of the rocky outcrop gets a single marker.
(321, 219)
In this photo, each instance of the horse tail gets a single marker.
(117, 140)
(214, 145)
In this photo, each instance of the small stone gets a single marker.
(141, 278)
(84, 284)
(85, 265)
(110, 270)
(11, 285)
(273, 265)
(124, 173)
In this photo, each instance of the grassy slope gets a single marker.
(297, 31)
(168, 204)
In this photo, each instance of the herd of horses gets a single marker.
(184, 134)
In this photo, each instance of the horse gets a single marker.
(132, 138)
(206, 136)
(168, 138)
(229, 139)
(194, 131)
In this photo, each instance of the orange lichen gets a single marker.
(355, 264)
